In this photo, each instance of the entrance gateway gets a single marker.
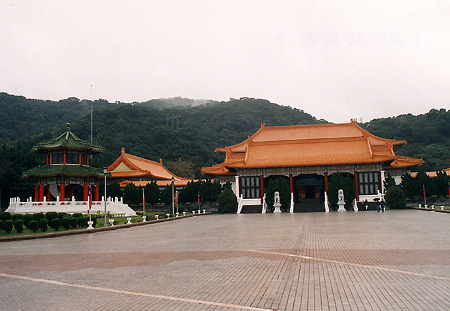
(306, 157)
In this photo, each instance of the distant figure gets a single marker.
(383, 205)
(378, 207)
(366, 205)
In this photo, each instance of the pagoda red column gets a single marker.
(62, 192)
(261, 186)
(41, 192)
(36, 193)
(356, 186)
(85, 192)
(325, 181)
(97, 192)
(64, 158)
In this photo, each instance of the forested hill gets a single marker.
(428, 136)
(186, 135)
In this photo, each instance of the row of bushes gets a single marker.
(40, 221)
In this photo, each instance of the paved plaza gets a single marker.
(398, 260)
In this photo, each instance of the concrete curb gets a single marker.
(431, 210)
(88, 231)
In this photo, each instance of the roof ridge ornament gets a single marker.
(68, 130)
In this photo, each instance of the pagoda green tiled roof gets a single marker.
(67, 140)
(64, 170)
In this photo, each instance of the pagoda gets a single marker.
(66, 167)
(66, 172)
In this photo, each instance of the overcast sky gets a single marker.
(334, 59)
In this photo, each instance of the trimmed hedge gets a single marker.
(33, 225)
(5, 216)
(8, 225)
(55, 223)
(18, 225)
(43, 224)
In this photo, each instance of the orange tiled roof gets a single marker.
(308, 145)
(160, 183)
(127, 165)
(431, 174)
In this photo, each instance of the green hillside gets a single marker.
(182, 132)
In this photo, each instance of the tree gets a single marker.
(132, 195)
(344, 182)
(151, 192)
(281, 185)
(441, 183)
(395, 197)
(227, 201)
(389, 182)
(113, 190)
(408, 185)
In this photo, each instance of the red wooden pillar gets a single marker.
(325, 181)
(41, 192)
(97, 192)
(85, 192)
(62, 192)
(261, 186)
(36, 193)
(356, 186)
(50, 158)
(291, 183)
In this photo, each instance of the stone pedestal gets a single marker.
(341, 201)
(276, 208)
(341, 207)
(90, 223)
(277, 203)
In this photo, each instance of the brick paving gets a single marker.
(399, 260)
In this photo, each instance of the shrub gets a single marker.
(1, 224)
(8, 225)
(65, 221)
(14, 217)
(5, 216)
(227, 201)
(38, 216)
(76, 215)
(73, 222)
(50, 215)
(395, 197)
(55, 223)
(33, 225)
(26, 220)
(18, 225)
(61, 215)
(82, 222)
(43, 224)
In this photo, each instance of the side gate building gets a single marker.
(307, 156)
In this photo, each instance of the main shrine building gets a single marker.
(307, 155)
